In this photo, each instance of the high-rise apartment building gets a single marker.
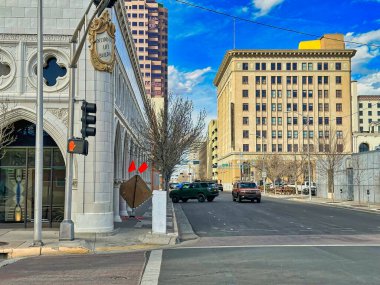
(282, 102)
(149, 25)
(212, 150)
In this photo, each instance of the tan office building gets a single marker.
(266, 98)
(212, 150)
(149, 25)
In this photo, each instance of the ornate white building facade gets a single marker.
(119, 97)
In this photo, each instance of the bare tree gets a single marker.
(359, 172)
(274, 165)
(170, 133)
(330, 155)
(6, 130)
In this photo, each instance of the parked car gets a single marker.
(305, 188)
(220, 187)
(201, 191)
(246, 191)
(173, 185)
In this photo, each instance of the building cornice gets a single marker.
(349, 53)
(368, 97)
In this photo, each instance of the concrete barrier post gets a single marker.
(159, 202)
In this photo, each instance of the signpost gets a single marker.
(264, 176)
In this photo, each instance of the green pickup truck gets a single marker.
(196, 190)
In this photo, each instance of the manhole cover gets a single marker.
(3, 243)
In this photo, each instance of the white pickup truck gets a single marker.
(305, 188)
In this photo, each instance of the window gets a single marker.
(326, 93)
(273, 121)
(273, 147)
(280, 147)
(245, 106)
(360, 113)
(311, 134)
(289, 148)
(360, 105)
(273, 66)
(279, 79)
(295, 120)
(310, 107)
(264, 108)
(245, 66)
(295, 134)
(288, 107)
(320, 134)
(258, 120)
(257, 106)
(369, 105)
(310, 93)
(304, 94)
(304, 107)
(326, 120)
(263, 80)
(319, 93)
(288, 79)
(338, 120)
(325, 79)
(304, 66)
(289, 134)
(295, 147)
(273, 107)
(326, 107)
(338, 93)
(279, 107)
(339, 107)
(304, 79)
(257, 66)
(264, 134)
(258, 148)
(273, 93)
(319, 79)
(264, 93)
(320, 120)
(245, 121)
(338, 79)
(294, 93)
(279, 120)
(279, 93)
(263, 66)
(319, 65)
(378, 105)
(245, 93)
(339, 147)
(325, 66)
(304, 134)
(294, 65)
(338, 66)
(294, 80)
(279, 66)
(310, 66)
(339, 134)
(289, 93)
(245, 79)
(258, 135)
(273, 79)
(257, 79)
(245, 147)
(295, 107)
(273, 134)
(279, 134)
(245, 134)
(363, 147)
(310, 79)
(320, 107)
(264, 120)
(288, 66)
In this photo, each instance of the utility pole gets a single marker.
(37, 239)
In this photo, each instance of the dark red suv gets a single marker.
(246, 191)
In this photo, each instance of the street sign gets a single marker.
(264, 174)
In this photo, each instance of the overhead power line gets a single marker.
(270, 26)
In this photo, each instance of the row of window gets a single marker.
(291, 66)
(294, 148)
(292, 134)
(293, 120)
(361, 121)
(369, 105)
(369, 113)
(291, 93)
(294, 107)
(291, 79)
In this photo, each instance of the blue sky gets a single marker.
(199, 39)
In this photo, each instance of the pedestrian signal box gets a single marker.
(78, 146)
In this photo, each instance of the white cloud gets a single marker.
(369, 85)
(265, 6)
(364, 53)
(184, 82)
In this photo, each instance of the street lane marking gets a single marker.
(277, 245)
(153, 268)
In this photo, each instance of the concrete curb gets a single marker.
(185, 230)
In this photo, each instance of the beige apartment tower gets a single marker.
(266, 98)
(212, 150)
(149, 25)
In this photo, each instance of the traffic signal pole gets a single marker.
(66, 230)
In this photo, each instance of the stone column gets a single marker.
(116, 198)
(123, 207)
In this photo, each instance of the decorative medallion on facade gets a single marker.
(102, 43)
(7, 69)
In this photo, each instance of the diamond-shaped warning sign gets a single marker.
(135, 191)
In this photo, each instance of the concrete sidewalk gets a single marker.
(129, 235)
(374, 208)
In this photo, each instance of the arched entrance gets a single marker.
(17, 173)
(363, 147)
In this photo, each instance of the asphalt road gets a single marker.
(275, 242)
